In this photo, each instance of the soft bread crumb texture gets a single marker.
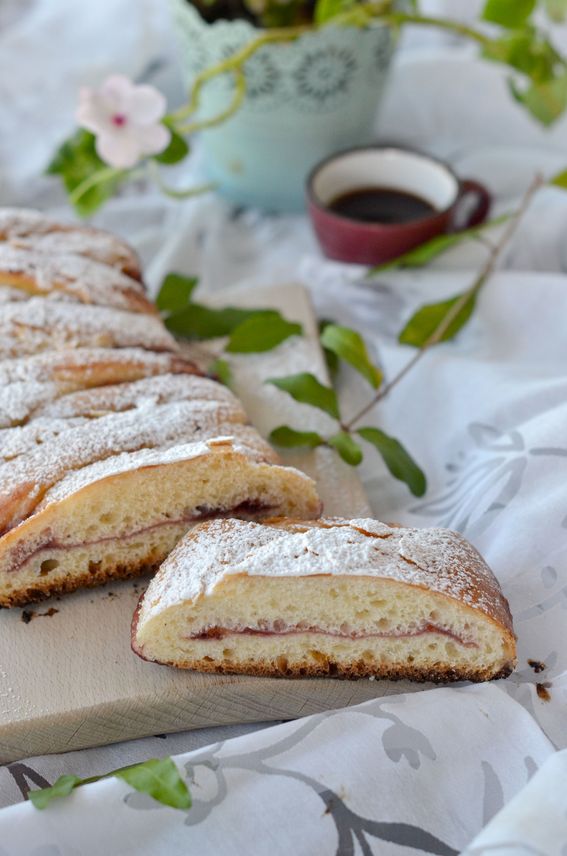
(128, 522)
(272, 604)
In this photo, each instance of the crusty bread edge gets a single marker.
(92, 579)
(351, 671)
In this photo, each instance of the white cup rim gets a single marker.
(321, 189)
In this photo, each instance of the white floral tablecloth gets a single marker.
(486, 416)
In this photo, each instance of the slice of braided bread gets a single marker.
(122, 516)
(352, 598)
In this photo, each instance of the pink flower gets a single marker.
(125, 119)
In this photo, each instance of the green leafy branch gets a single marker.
(257, 330)
(424, 253)
(439, 322)
(428, 326)
(348, 346)
(247, 331)
(157, 777)
(260, 330)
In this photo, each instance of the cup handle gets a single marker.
(472, 206)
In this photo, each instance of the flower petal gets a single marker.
(153, 138)
(88, 114)
(146, 105)
(120, 149)
(94, 114)
(116, 92)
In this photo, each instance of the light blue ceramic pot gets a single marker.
(304, 101)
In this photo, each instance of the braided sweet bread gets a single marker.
(112, 444)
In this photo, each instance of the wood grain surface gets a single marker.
(68, 679)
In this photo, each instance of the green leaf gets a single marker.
(508, 13)
(423, 324)
(261, 332)
(559, 180)
(75, 162)
(326, 10)
(348, 449)
(290, 438)
(331, 359)
(177, 150)
(528, 52)
(399, 462)
(221, 369)
(197, 321)
(202, 322)
(175, 292)
(545, 101)
(425, 253)
(350, 347)
(160, 778)
(61, 788)
(305, 388)
(556, 10)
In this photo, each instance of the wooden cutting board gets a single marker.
(68, 679)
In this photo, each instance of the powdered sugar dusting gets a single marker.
(87, 362)
(71, 277)
(198, 415)
(32, 230)
(142, 393)
(28, 382)
(237, 443)
(11, 295)
(435, 559)
(24, 221)
(18, 441)
(99, 246)
(38, 325)
(24, 479)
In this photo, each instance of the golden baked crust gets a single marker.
(346, 671)
(96, 575)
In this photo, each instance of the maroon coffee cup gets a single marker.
(457, 204)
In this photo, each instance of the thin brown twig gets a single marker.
(486, 242)
(445, 323)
